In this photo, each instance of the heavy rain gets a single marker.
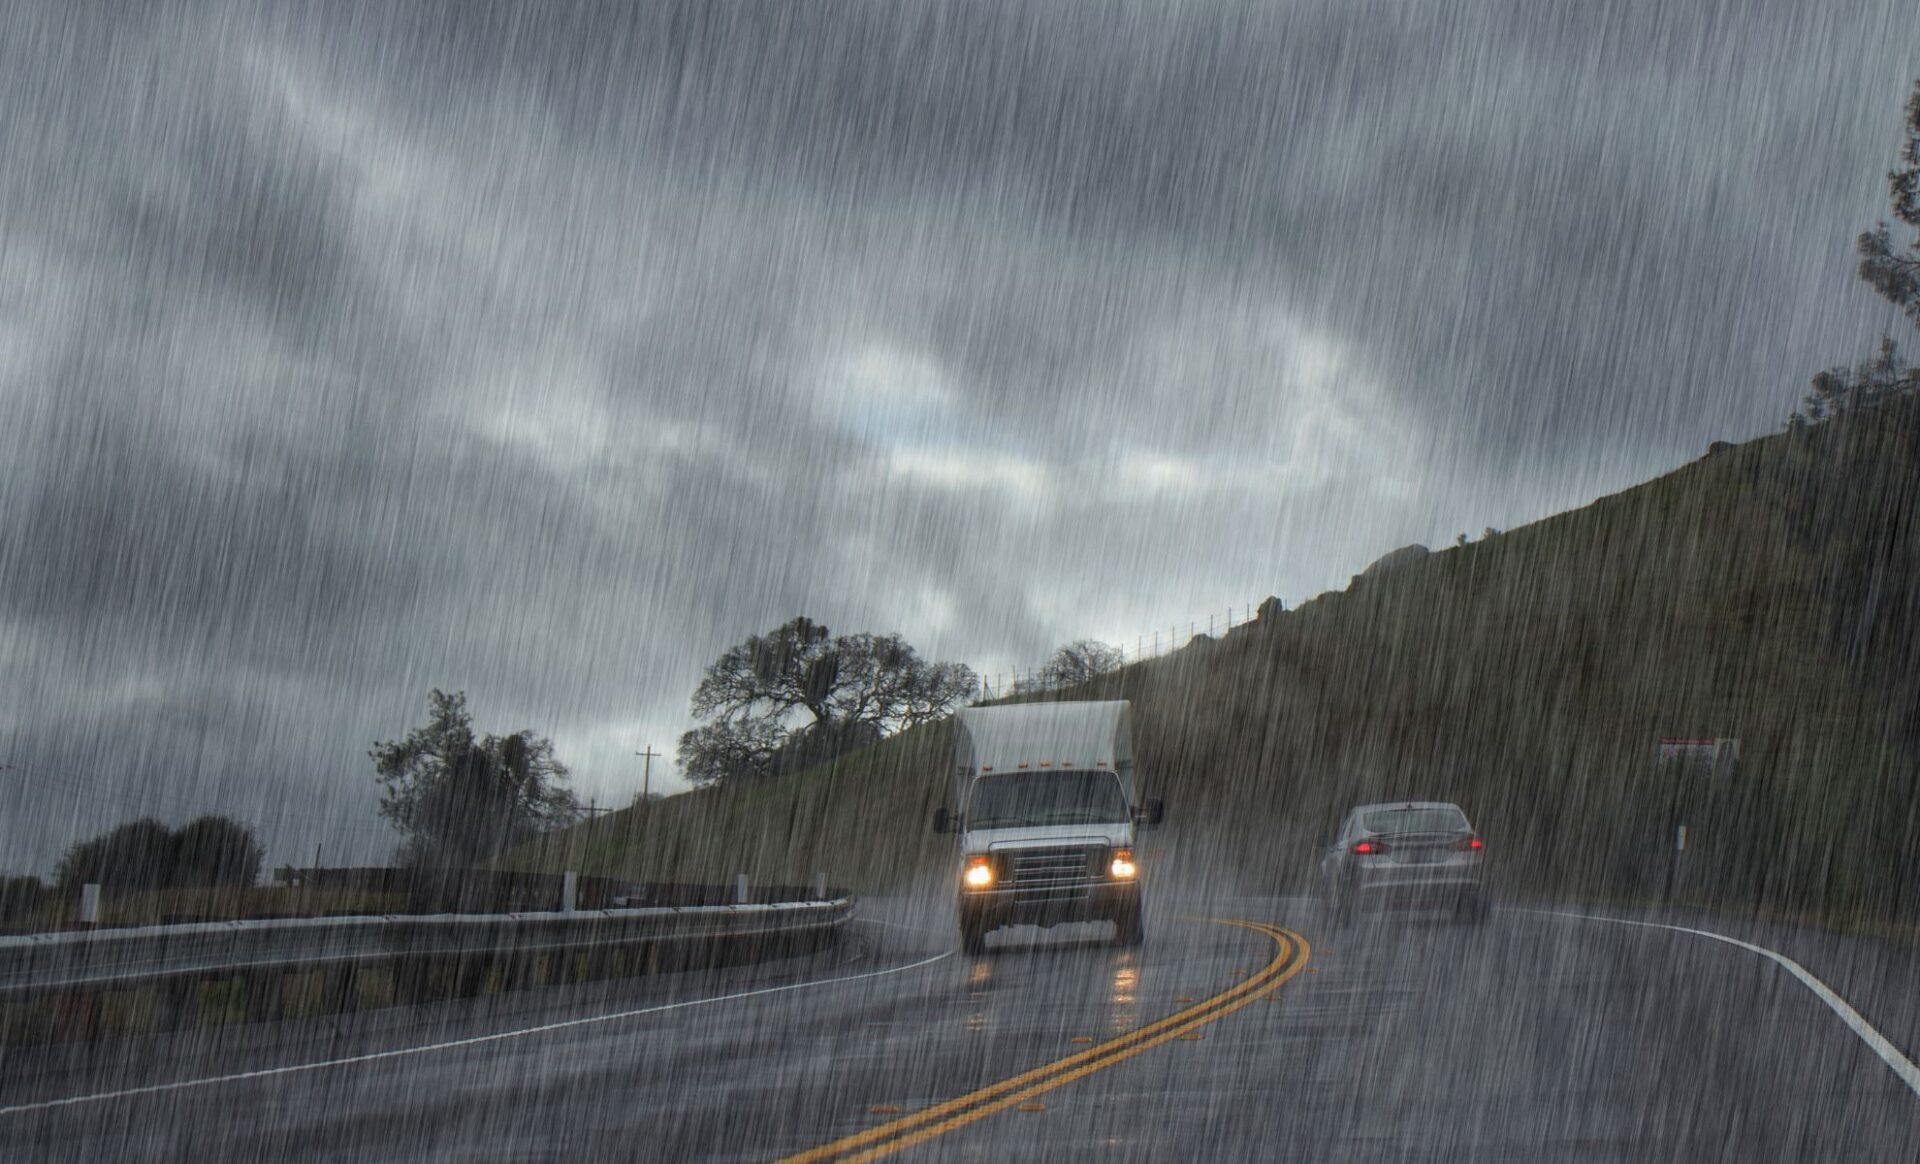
(1330, 580)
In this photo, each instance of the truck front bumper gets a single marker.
(988, 909)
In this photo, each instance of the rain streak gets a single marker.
(960, 580)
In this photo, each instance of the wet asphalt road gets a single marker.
(1401, 1038)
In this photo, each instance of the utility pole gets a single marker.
(646, 773)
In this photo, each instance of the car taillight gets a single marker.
(1472, 845)
(1368, 848)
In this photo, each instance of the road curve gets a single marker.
(1533, 1036)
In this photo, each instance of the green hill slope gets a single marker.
(1770, 592)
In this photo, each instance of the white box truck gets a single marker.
(1046, 818)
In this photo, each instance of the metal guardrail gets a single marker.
(126, 958)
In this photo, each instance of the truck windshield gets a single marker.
(1012, 799)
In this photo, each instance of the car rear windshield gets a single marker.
(1014, 799)
(1415, 820)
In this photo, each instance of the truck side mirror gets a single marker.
(941, 822)
(1153, 812)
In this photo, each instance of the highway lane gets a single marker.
(1398, 1039)
(744, 1078)
(1532, 1038)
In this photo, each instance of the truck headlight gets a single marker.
(1121, 868)
(979, 873)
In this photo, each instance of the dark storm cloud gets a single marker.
(1479, 184)
(542, 351)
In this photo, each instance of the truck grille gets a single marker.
(1062, 874)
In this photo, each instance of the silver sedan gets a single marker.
(1404, 854)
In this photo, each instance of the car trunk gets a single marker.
(1421, 848)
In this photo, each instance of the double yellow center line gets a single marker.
(1289, 958)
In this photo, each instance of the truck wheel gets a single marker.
(1127, 927)
(973, 939)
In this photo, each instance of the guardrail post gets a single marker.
(740, 889)
(90, 904)
(569, 891)
(820, 886)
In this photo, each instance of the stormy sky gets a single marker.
(542, 351)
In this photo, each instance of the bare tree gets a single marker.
(1078, 661)
(741, 748)
(799, 695)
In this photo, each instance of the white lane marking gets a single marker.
(1881, 1045)
(497, 1036)
(874, 921)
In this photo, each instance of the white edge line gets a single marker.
(1891, 1055)
(874, 921)
(497, 1036)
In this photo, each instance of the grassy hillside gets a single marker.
(862, 820)
(1770, 592)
